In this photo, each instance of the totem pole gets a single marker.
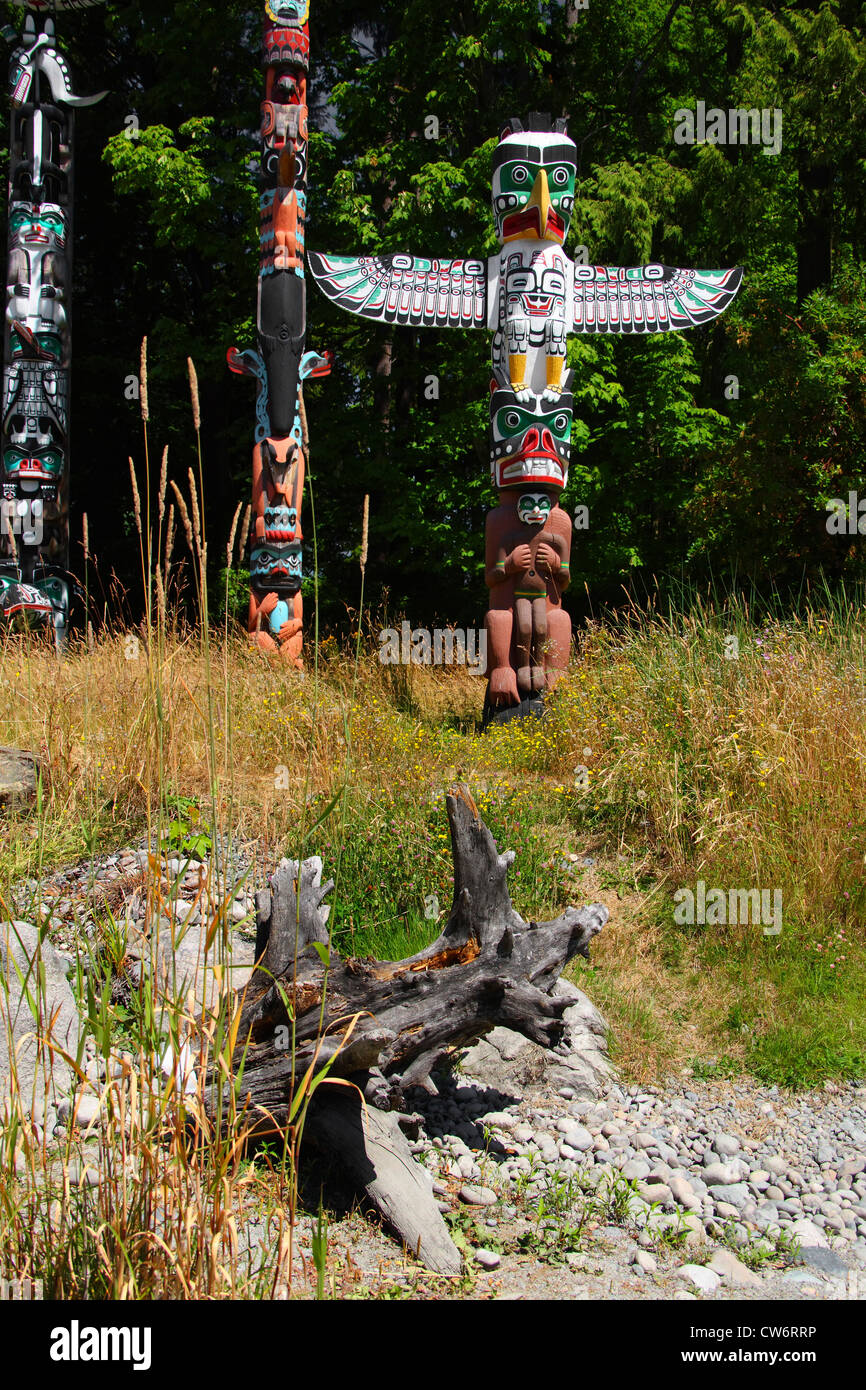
(531, 296)
(34, 451)
(280, 364)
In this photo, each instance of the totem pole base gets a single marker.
(531, 707)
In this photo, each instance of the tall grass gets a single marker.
(158, 709)
(739, 763)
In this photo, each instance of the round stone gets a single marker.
(477, 1196)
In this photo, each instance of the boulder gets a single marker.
(37, 1007)
(19, 774)
(506, 1060)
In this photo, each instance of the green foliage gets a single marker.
(678, 476)
(185, 833)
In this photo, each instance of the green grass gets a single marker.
(747, 773)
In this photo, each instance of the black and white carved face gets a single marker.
(533, 508)
(530, 441)
(534, 290)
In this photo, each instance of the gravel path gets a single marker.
(693, 1190)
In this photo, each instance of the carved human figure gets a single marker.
(276, 607)
(528, 544)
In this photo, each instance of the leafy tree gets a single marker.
(682, 469)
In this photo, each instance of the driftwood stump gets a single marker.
(385, 1024)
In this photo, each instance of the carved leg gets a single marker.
(559, 645)
(292, 635)
(523, 644)
(503, 685)
(539, 642)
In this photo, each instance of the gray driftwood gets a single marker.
(385, 1024)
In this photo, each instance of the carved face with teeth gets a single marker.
(530, 441)
(533, 186)
(276, 567)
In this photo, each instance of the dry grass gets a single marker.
(661, 759)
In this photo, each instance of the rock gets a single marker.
(477, 1196)
(735, 1194)
(827, 1261)
(719, 1173)
(727, 1145)
(19, 776)
(86, 1109)
(488, 1259)
(57, 1012)
(808, 1234)
(776, 1165)
(578, 1138)
(181, 962)
(703, 1278)
(635, 1169)
(506, 1061)
(656, 1192)
(682, 1193)
(645, 1261)
(726, 1264)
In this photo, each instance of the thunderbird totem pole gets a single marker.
(280, 364)
(532, 296)
(34, 451)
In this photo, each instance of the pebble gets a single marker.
(683, 1193)
(578, 1139)
(477, 1196)
(715, 1173)
(735, 1194)
(701, 1276)
(728, 1267)
(488, 1259)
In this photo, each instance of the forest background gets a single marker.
(702, 456)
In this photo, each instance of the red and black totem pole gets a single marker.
(280, 363)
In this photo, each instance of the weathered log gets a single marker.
(385, 1024)
(378, 1159)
